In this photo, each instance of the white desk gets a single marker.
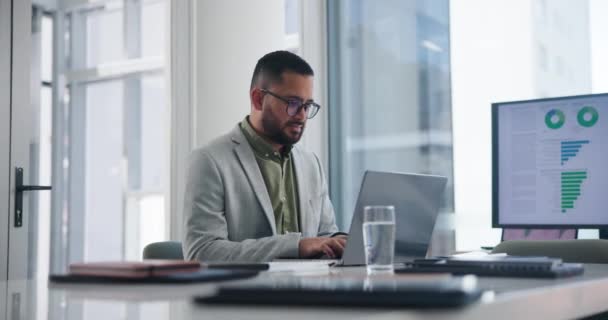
(507, 298)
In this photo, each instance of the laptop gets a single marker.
(416, 198)
(395, 292)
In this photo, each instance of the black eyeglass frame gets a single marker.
(310, 113)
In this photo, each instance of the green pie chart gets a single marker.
(587, 116)
(554, 119)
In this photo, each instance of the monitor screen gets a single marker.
(550, 162)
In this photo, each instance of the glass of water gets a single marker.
(379, 238)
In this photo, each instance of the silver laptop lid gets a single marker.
(416, 198)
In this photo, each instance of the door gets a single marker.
(25, 119)
(15, 84)
(82, 96)
(5, 80)
(5, 54)
(21, 138)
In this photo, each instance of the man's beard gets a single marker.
(277, 134)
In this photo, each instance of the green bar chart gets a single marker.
(571, 182)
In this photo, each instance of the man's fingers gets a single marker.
(341, 243)
(336, 246)
(328, 251)
(330, 247)
(342, 240)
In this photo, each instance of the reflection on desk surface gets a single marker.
(514, 299)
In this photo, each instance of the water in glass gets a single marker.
(379, 238)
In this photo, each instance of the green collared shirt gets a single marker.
(279, 176)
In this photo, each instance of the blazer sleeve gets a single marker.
(206, 235)
(327, 223)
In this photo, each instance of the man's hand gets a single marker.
(314, 247)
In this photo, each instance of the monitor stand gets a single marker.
(538, 234)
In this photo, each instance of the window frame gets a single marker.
(72, 76)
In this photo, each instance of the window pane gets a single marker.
(41, 215)
(155, 160)
(104, 36)
(154, 138)
(104, 172)
(45, 130)
(46, 49)
(292, 17)
(153, 26)
(390, 94)
(126, 166)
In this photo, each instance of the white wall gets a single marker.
(214, 46)
(230, 36)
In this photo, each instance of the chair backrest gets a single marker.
(166, 250)
(582, 250)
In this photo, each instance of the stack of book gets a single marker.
(134, 269)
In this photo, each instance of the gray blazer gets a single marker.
(227, 210)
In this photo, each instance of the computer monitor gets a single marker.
(550, 163)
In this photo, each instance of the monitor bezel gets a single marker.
(495, 165)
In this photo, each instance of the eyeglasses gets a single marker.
(294, 105)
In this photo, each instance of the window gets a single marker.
(117, 154)
(390, 106)
(506, 63)
(543, 58)
(114, 173)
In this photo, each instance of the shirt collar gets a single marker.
(260, 145)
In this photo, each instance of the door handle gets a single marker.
(19, 189)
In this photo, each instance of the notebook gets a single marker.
(501, 266)
(133, 269)
(391, 292)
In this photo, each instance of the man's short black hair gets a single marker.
(271, 66)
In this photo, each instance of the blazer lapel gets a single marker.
(303, 194)
(250, 166)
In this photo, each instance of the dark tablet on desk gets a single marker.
(391, 292)
(202, 275)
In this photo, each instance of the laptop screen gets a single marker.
(416, 199)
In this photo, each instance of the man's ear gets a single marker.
(256, 95)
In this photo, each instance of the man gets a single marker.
(251, 195)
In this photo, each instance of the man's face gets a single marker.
(277, 124)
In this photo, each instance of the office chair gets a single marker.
(582, 250)
(166, 250)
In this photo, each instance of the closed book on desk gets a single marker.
(147, 271)
(134, 269)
